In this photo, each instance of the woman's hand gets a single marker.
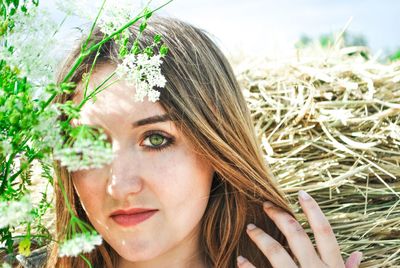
(299, 242)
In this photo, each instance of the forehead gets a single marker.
(115, 101)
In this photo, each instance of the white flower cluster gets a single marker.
(34, 46)
(13, 213)
(5, 265)
(85, 154)
(5, 146)
(80, 243)
(114, 15)
(48, 129)
(139, 70)
(144, 73)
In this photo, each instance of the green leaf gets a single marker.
(147, 14)
(395, 56)
(123, 52)
(24, 247)
(157, 38)
(149, 51)
(12, 11)
(16, 3)
(71, 109)
(142, 26)
(163, 50)
(3, 27)
(136, 50)
(68, 87)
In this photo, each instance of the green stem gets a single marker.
(36, 236)
(98, 89)
(12, 178)
(5, 180)
(86, 53)
(81, 225)
(86, 260)
(91, 71)
(93, 25)
(65, 197)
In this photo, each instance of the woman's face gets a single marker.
(154, 168)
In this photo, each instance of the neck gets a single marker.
(184, 255)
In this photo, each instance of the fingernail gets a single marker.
(240, 260)
(251, 227)
(304, 195)
(268, 204)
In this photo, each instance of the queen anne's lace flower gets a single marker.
(5, 146)
(48, 129)
(144, 73)
(13, 213)
(34, 46)
(114, 15)
(85, 154)
(80, 243)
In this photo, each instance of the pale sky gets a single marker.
(266, 26)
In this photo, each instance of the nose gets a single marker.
(125, 178)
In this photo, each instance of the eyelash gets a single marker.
(169, 141)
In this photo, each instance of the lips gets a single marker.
(133, 216)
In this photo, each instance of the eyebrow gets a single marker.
(151, 120)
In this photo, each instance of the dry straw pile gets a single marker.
(330, 124)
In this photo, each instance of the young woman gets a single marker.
(188, 186)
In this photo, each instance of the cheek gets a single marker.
(90, 194)
(183, 182)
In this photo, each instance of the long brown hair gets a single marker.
(203, 97)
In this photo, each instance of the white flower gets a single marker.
(5, 146)
(6, 265)
(48, 129)
(114, 15)
(153, 95)
(85, 154)
(13, 213)
(144, 73)
(80, 243)
(34, 46)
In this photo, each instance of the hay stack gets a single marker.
(330, 125)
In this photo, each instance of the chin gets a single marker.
(134, 252)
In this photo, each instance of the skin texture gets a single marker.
(174, 180)
(299, 242)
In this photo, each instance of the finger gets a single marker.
(297, 238)
(244, 263)
(274, 251)
(354, 260)
(325, 239)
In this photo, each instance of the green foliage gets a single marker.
(8, 8)
(163, 50)
(328, 39)
(30, 129)
(18, 113)
(395, 56)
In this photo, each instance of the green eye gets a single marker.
(156, 139)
